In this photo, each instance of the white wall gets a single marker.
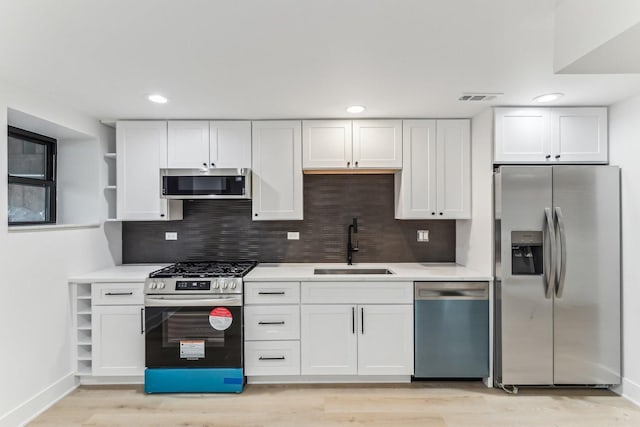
(582, 26)
(624, 151)
(474, 236)
(35, 320)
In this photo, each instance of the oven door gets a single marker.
(193, 331)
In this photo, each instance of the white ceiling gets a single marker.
(290, 58)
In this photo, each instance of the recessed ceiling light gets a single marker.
(548, 97)
(158, 99)
(355, 109)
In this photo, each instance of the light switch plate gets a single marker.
(171, 235)
(423, 235)
(293, 235)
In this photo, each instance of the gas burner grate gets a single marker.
(206, 269)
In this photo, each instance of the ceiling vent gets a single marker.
(479, 96)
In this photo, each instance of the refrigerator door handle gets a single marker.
(551, 255)
(563, 252)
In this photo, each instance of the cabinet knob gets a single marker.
(557, 156)
(162, 215)
(548, 156)
(348, 164)
(213, 164)
(440, 213)
(356, 164)
(255, 214)
(433, 213)
(204, 164)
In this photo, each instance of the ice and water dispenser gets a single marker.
(526, 253)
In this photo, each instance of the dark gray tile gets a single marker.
(224, 230)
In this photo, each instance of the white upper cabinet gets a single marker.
(216, 144)
(342, 144)
(416, 184)
(188, 144)
(277, 170)
(377, 143)
(579, 135)
(551, 135)
(522, 135)
(435, 181)
(327, 144)
(230, 144)
(141, 153)
(453, 150)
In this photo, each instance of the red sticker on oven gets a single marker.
(220, 318)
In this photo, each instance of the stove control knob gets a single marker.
(153, 285)
(161, 285)
(233, 285)
(215, 285)
(224, 285)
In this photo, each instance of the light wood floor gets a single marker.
(416, 404)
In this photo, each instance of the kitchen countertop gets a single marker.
(119, 273)
(407, 272)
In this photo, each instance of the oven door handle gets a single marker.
(193, 302)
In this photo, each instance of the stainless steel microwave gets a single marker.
(206, 183)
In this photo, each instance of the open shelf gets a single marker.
(110, 155)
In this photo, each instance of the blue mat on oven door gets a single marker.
(193, 380)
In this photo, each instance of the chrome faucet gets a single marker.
(353, 227)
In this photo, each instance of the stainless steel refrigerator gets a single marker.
(557, 275)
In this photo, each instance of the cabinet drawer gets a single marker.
(272, 293)
(357, 292)
(117, 293)
(272, 358)
(272, 322)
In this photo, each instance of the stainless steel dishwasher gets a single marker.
(451, 329)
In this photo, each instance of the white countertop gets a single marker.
(119, 273)
(409, 271)
(266, 272)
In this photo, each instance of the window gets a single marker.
(32, 178)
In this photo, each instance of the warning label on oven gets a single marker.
(220, 318)
(192, 349)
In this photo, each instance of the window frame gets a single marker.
(49, 182)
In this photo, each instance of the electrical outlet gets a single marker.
(171, 235)
(423, 235)
(293, 235)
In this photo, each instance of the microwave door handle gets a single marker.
(551, 255)
(563, 252)
(195, 302)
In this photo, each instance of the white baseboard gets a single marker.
(630, 391)
(39, 403)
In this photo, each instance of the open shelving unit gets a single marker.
(110, 188)
(82, 320)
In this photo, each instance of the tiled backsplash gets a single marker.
(223, 229)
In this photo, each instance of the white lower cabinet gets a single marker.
(118, 340)
(329, 340)
(357, 339)
(328, 331)
(117, 329)
(271, 329)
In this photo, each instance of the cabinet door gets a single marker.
(454, 169)
(188, 144)
(385, 341)
(142, 152)
(277, 170)
(416, 184)
(522, 135)
(326, 144)
(328, 340)
(230, 144)
(377, 143)
(579, 135)
(118, 340)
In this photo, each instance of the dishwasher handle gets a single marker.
(451, 291)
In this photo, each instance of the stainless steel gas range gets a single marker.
(193, 324)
